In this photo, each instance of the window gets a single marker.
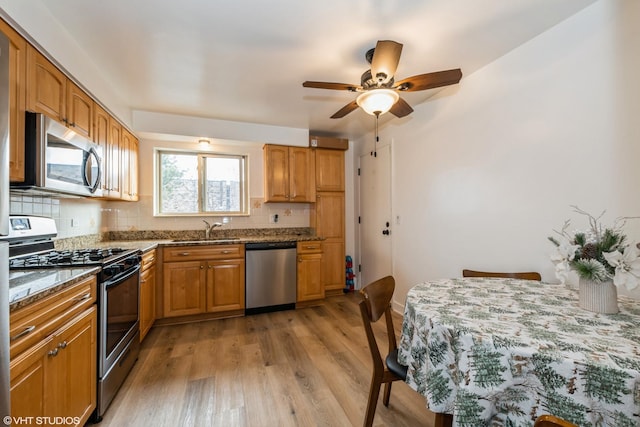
(192, 183)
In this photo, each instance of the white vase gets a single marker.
(599, 297)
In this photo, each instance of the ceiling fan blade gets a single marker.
(345, 110)
(385, 60)
(401, 108)
(327, 85)
(430, 80)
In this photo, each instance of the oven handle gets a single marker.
(120, 279)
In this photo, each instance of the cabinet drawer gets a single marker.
(36, 321)
(148, 260)
(309, 247)
(191, 253)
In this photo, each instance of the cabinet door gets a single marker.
(113, 159)
(310, 286)
(301, 175)
(17, 100)
(46, 86)
(101, 137)
(79, 110)
(330, 215)
(147, 300)
(184, 287)
(276, 173)
(71, 379)
(329, 170)
(225, 285)
(333, 265)
(129, 165)
(28, 381)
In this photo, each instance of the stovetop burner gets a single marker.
(69, 258)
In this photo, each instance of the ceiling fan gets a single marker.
(378, 88)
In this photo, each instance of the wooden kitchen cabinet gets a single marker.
(289, 174)
(53, 355)
(329, 169)
(17, 100)
(113, 161)
(51, 92)
(129, 166)
(327, 216)
(202, 279)
(101, 137)
(309, 271)
(147, 292)
(225, 285)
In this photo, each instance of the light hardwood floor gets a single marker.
(305, 367)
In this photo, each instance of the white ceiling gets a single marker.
(245, 60)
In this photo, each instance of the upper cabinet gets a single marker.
(129, 166)
(17, 100)
(329, 170)
(289, 174)
(50, 92)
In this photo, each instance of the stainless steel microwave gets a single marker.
(59, 160)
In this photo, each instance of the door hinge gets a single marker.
(358, 220)
(358, 171)
(359, 268)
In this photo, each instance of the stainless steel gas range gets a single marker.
(31, 247)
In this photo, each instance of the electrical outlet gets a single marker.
(75, 222)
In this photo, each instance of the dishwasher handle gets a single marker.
(265, 246)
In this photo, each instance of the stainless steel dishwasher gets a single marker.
(270, 277)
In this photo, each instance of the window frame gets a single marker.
(201, 157)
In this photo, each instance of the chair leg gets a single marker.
(374, 393)
(387, 394)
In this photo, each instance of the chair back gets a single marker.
(376, 301)
(526, 275)
(552, 421)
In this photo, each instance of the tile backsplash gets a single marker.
(81, 216)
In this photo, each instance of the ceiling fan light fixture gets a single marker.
(377, 101)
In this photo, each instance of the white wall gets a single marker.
(485, 172)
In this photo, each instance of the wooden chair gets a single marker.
(528, 275)
(552, 421)
(376, 302)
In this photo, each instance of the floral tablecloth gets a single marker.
(500, 352)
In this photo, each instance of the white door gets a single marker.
(375, 215)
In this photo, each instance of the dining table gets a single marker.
(501, 352)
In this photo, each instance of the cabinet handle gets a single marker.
(63, 344)
(201, 267)
(24, 332)
(310, 247)
(53, 353)
(151, 260)
(143, 281)
(226, 252)
(83, 297)
(184, 253)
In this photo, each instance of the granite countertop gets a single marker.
(28, 286)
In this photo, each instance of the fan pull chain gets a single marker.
(374, 153)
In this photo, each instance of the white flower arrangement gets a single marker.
(599, 254)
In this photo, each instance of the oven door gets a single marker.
(118, 310)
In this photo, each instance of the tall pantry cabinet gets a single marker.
(328, 216)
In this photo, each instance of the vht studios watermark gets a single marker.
(41, 421)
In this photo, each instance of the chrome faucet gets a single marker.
(208, 227)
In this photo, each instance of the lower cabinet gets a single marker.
(202, 279)
(147, 292)
(309, 271)
(57, 376)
